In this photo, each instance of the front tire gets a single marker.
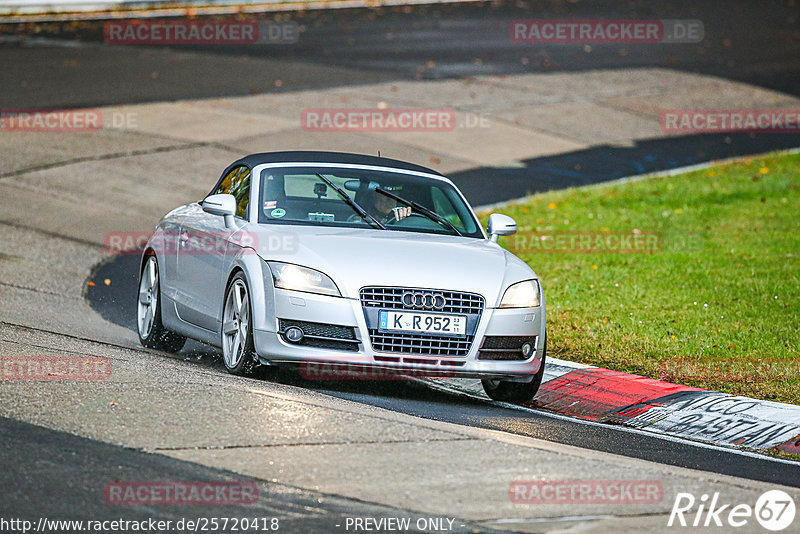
(506, 391)
(238, 352)
(152, 333)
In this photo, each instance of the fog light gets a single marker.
(293, 334)
(526, 349)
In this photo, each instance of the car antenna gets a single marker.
(379, 153)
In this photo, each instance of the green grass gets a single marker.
(720, 292)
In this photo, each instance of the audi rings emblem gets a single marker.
(419, 299)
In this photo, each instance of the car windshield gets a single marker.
(388, 200)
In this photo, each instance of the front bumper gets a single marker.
(272, 347)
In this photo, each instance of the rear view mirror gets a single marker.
(224, 205)
(355, 185)
(500, 224)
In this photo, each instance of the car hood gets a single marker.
(355, 258)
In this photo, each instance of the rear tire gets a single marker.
(506, 391)
(152, 333)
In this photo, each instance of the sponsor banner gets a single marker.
(586, 492)
(180, 493)
(730, 120)
(54, 368)
(714, 417)
(591, 31)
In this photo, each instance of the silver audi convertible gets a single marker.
(344, 259)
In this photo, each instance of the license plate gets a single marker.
(426, 323)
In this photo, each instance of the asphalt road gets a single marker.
(753, 42)
(62, 477)
(116, 302)
(756, 43)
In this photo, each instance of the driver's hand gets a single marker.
(401, 212)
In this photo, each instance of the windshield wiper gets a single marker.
(432, 215)
(352, 203)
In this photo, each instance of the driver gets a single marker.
(385, 209)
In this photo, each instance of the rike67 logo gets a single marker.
(774, 510)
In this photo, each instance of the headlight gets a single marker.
(297, 278)
(521, 295)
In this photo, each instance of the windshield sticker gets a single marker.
(270, 204)
(321, 217)
(277, 213)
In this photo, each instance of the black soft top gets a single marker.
(317, 156)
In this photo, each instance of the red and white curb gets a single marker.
(606, 396)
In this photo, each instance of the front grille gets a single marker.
(391, 298)
(323, 336)
(505, 347)
(420, 344)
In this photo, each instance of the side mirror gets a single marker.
(224, 205)
(500, 224)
